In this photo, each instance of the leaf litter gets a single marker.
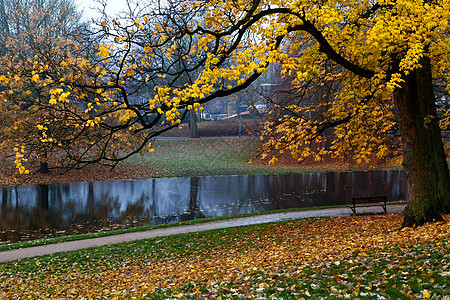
(362, 257)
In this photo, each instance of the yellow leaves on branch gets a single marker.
(35, 78)
(150, 148)
(137, 23)
(395, 82)
(104, 51)
(58, 95)
(363, 137)
(123, 117)
(413, 55)
(20, 159)
(93, 122)
(403, 30)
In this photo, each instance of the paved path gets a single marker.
(11, 255)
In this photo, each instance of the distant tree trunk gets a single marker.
(43, 167)
(239, 116)
(43, 164)
(193, 124)
(424, 157)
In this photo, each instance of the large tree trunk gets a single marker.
(424, 157)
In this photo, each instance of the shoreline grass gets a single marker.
(186, 157)
(77, 237)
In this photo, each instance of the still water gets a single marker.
(30, 212)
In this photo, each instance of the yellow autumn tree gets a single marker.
(30, 29)
(49, 90)
(382, 59)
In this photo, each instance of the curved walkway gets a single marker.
(17, 254)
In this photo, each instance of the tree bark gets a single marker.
(193, 124)
(43, 163)
(424, 157)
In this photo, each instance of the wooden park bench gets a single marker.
(369, 201)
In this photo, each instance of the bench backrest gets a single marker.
(369, 199)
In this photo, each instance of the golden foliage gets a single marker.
(356, 55)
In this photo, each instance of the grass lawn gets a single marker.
(363, 257)
(219, 156)
(204, 156)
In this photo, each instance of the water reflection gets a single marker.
(30, 212)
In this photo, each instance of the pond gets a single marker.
(36, 211)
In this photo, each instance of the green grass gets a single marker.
(204, 157)
(215, 156)
(77, 237)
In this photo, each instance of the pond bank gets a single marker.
(186, 157)
(18, 254)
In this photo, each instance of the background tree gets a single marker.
(35, 34)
